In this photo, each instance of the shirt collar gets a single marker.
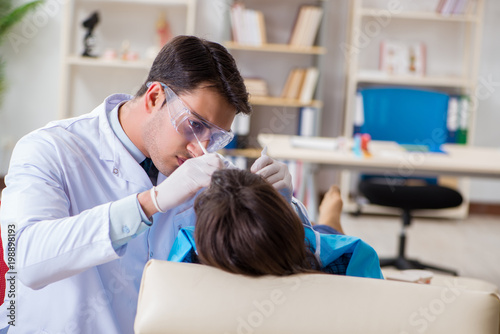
(122, 136)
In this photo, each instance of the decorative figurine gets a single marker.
(89, 39)
(163, 32)
(125, 49)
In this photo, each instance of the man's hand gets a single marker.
(275, 173)
(186, 180)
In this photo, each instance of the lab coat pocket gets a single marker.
(183, 219)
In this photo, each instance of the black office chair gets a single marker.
(382, 191)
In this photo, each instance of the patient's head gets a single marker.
(245, 226)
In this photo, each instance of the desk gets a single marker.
(388, 158)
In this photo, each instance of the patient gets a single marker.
(245, 226)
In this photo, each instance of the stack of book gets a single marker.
(306, 26)
(247, 25)
(301, 84)
(256, 87)
(454, 7)
(401, 58)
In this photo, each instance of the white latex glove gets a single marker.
(276, 173)
(185, 181)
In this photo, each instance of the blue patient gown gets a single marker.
(336, 254)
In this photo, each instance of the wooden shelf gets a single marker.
(370, 12)
(279, 48)
(434, 81)
(252, 153)
(116, 63)
(282, 102)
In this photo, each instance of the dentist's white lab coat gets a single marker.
(60, 184)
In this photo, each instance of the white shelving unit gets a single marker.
(86, 78)
(460, 33)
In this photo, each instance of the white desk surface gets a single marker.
(390, 157)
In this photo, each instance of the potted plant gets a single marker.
(9, 16)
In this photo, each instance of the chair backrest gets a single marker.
(192, 298)
(407, 116)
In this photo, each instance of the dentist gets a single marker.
(89, 200)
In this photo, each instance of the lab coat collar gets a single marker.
(112, 150)
(114, 122)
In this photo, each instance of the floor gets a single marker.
(470, 246)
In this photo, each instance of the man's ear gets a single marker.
(154, 97)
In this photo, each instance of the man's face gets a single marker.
(167, 147)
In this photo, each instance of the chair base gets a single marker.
(403, 263)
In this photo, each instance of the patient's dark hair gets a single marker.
(186, 62)
(245, 226)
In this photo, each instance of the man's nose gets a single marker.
(195, 149)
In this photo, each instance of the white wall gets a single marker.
(488, 117)
(32, 75)
(33, 69)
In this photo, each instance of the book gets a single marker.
(236, 14)
(241, 124)
(251, 34)
(359, 114)
(307, 121)
(288, 82)
(452, 120)
(247, 25)
(448, 7)
(262, 27)
(299, 26)
(256, 86)
(440, 6)
(302, 33)
(463, 119)
(293, 89)
(460, 7)
(454, 7)
(301, 84)
(309, 85)
(241, 130)
(457, 122)
(306, 26)
(313, 27)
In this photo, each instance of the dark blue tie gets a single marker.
(150, 169)
(146, 164)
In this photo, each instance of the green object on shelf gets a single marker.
(10, 16)
(462, 136)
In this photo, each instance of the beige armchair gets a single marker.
(189, 298)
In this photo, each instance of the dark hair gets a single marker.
(245, 226)
(188, 61)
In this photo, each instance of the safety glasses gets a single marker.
(192, 126)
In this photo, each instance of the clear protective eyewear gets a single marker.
(192, 126)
